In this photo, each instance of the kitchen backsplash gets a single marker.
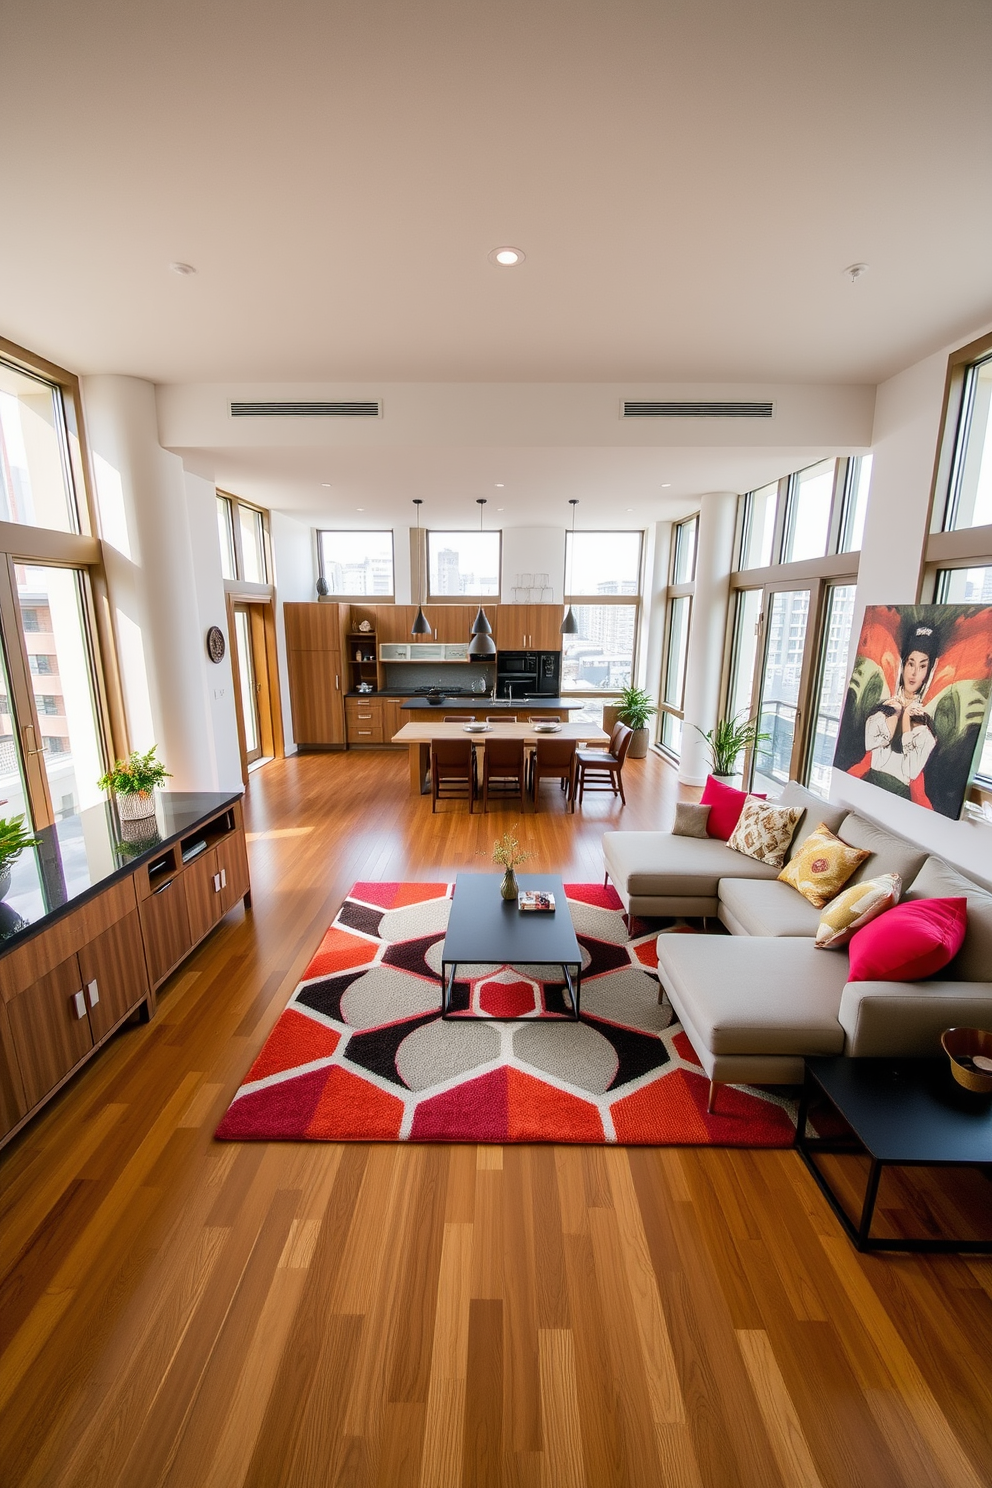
(409, 675)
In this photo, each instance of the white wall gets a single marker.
(904, 446)
(217, 678)
(533, 550)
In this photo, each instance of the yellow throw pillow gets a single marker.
(821, 866)
(854, 907)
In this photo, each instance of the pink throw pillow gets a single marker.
(726, 805)
(912, 941)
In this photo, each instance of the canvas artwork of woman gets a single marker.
(917, 701)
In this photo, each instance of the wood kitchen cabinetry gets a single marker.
(453, 622)
(527, 627)
(71, 979)
(317, 676)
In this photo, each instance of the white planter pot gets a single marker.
(736, 780)
(4, 882)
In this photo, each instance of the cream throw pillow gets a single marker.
(855, 907)
(764, 831)
(821, 866)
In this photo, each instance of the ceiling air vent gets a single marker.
(637, 408)
(363, 409)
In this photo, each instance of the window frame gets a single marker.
(244, 585)
(674, 591)
(389, 598)
(81, 551)
(636, 601)
(434, 599)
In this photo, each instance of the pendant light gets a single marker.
(569, 626)
(420, 625)
(482, 646)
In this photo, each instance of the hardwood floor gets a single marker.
(180, 1312)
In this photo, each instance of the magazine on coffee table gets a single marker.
(536, 900)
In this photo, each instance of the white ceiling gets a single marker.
(688, 182)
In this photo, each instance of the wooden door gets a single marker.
(315, 685)
(453, 623)
(12, 1103)
(202, 883)
(112, 968)
(232, 864)
(546, 622)
(395, 622)
(165, 928)
(49, 1029)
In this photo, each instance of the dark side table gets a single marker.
(903, 1113)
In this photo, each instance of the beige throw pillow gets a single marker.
(764, 831)
(690, 820)
(855, 907)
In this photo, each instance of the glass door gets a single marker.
(787, 613)
(831, 686)
(249, 685)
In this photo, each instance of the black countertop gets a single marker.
(83, 854)
(476, 703)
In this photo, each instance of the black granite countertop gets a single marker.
(83, 854)
(474, 703)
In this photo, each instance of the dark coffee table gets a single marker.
(903, 1113)
(483, 927)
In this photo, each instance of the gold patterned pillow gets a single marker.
(764, 831)
(821, 866)
(854, 907)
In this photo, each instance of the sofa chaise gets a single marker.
(756, 1003)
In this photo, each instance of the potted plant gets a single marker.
(14, 838)
(633, 707)
(133, 783)
(726, 741)
(508, 853)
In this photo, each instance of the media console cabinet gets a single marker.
(98, 916)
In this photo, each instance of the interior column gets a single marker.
(708, 629)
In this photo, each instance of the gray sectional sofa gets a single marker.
(754, 1004)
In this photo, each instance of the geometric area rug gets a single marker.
(361, 1054)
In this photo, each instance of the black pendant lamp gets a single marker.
(569, 626)
(481, 647)
(420, 625)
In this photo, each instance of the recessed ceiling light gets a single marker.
(630, 508)
(507, 257)
(855, 270)
(666, 485)
(326, 485)
(499, 485)
(359, 508)
(499, 508)
(182, 268)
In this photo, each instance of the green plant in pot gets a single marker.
(634, 707)
(727, 741)
(133, 783)
(14, 838)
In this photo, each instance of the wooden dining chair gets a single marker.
(452, 771)
(602, 769)
(544, 718)
(458, 718)
(502, 770)
(554, 759)
(501, 717)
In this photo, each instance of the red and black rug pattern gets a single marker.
(362, 1054)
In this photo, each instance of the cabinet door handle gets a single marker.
(79, 1003)
(223, 878)
(93, 992)
(216, 883)
(164, 887)
(337, 682)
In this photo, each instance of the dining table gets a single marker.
(421, 735)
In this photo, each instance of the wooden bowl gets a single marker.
(970, 1053)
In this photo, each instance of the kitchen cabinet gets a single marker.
(453, 623)
(528, 627)
(364, 719)
(70, 979)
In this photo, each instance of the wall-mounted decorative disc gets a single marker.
(216, 645)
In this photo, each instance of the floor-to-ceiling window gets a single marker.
(603, 588)
(57, 726)
(794, 581)
(959, 549)
(678, 618)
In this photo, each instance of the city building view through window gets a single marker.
(357, 563)
(600, 656)
(35, 485)
(462, 563)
